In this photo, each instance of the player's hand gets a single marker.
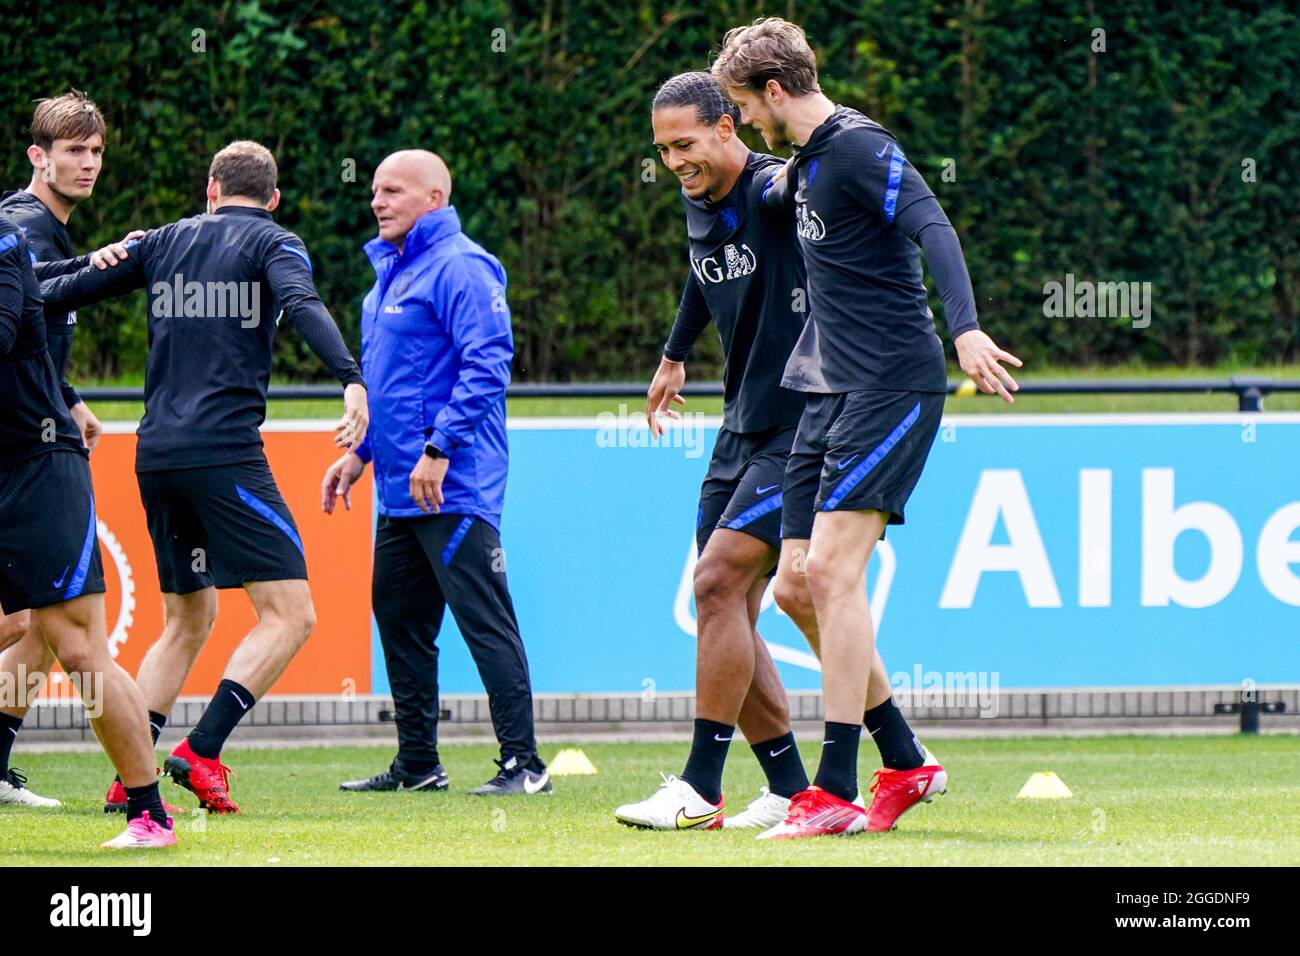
(776, 194)
(979, 357)
(87, 424)
(351, 430)
(114, 252)
(426, 483)
(338, 481)
(664, 390)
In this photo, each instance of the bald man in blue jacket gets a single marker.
(436, 349)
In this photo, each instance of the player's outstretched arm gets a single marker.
(114, 252)
(288, 274)
(665, 388)
(94, 283)
(925, 222)
(104, 258)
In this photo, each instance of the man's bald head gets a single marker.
(420, 168)
(408, 184)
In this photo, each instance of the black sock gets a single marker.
(708, 754)
(779, 758)
(157, 722)
(228, 706)
(899, 748)
(142, 800)
(838, 771)
(8, 734)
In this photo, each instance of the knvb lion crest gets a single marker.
(739, 264)
(808, 224)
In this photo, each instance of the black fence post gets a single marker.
(1250, 393)
(1249, 707)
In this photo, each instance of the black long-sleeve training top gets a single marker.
(216, 284)
(34, 418)
(861, 211)
(747, 276)
(49, 242)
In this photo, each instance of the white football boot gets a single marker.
(14, 792)
(765, 812)
(674, 806)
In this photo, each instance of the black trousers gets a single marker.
(422, 566)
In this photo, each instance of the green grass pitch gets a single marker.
(1137, 800)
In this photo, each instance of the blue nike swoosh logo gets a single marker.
(846, 462)
(62, 577)
(763, 491)
(881, 154)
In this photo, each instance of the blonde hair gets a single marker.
(768, 49)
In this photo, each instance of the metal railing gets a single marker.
(1250, 390)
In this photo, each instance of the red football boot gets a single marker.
(815, 812)
(115, 800)
(205, 777)
(897, 791)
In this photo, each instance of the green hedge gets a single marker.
(1118, 165)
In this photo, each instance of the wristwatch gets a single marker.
(434, 452)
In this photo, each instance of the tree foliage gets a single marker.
(1162, 150)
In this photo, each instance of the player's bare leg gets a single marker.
(765, 713)
(187, 622)
(285, 619)
(765, 721)
(27, 659)
(13, 627)
(27, 656)
(836, 570)
(737, 681)
(736, 684)
(75, 632)
(793, 597)
(841, 546)
(732, 564)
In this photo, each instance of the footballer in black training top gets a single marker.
(863, 215)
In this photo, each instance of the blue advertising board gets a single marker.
(1043, 550)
